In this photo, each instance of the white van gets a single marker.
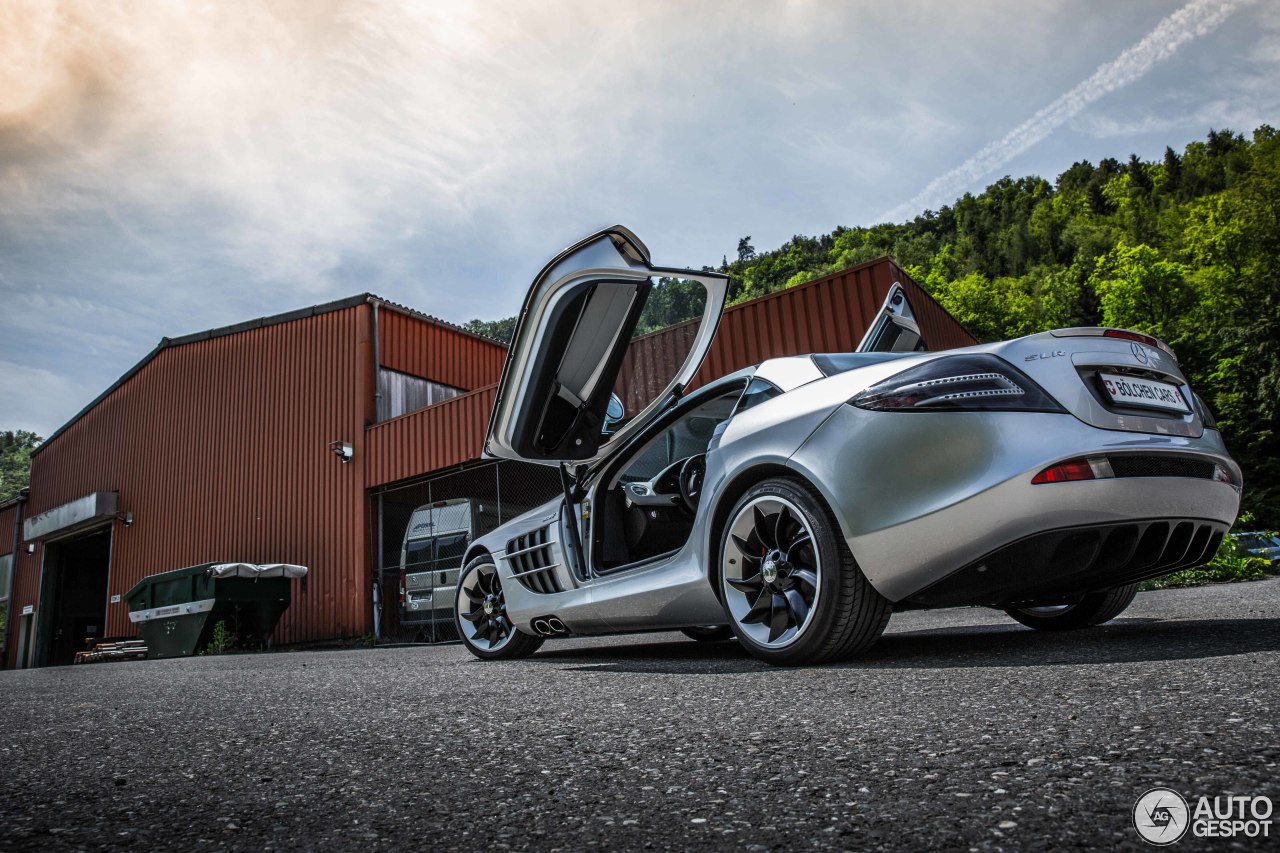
(434, 544)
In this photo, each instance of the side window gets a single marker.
(689, 435)
(417, 555)
(756, 392)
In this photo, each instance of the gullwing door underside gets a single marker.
(599, 310)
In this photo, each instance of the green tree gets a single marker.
(15, 461)
(499, 330)
(1139, 290)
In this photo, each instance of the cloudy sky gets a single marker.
(167, 167)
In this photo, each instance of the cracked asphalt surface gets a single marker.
(959, 730)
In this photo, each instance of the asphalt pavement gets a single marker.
(960, 730)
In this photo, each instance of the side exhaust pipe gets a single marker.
(549, 626)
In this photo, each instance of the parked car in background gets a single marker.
(1260, 544)
(796, 504)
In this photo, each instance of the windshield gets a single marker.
(436, 553)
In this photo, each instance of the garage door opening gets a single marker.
(75, 586)
(423, 531)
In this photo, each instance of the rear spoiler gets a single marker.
(1107, 332)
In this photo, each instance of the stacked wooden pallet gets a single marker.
(122, 650)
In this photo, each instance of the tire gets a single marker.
(709, 633)
(1094, 609)
(480, 615)
(803, 599)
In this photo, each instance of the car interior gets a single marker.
(648, 503)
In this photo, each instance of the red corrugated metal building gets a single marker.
(227, 445)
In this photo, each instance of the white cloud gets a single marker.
(1192, 21)
(37, 399)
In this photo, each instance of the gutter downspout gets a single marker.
(377, 365)
(375, 596)
(13, 574)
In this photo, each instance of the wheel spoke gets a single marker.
(802, 539)
(759, 611)
(744, 545)
(476, 596)
(779, 617)
(763, 527)
(806, 577)
(781, 524)
(747, 585)
(796, 604)
(474, 616)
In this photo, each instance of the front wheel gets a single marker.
(789, 585)
(480, 614)
(1094, 609)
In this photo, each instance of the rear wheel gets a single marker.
(790, 587)
(1094, 609)
(708, 633)
(480, 614)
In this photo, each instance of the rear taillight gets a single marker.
(1083, 468)
(958, 383)
(1222, 475)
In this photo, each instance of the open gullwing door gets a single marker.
(604, 343)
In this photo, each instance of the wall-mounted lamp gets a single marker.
(125, 518)
(342, 449)
(31, 547)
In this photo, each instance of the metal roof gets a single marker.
(259, 323)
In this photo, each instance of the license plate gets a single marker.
(1131, 391)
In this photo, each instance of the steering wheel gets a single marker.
(692, 473)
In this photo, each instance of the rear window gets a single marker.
(756, 392)
(839, 362)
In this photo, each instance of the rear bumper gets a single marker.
(1061, 563)
(922, 497)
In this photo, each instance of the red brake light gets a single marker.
(1073, 469)
(1131, 336)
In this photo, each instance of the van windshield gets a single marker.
(435, 553)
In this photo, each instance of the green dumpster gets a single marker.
(176, 611)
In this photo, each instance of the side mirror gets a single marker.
(613, 415)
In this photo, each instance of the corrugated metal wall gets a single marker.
(829, 314)
(220, 449)
(438, 352)
(429, 439)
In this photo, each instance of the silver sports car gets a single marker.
(797, 503)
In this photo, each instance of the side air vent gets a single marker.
(531, 559)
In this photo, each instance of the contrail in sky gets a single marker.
(1193, 20)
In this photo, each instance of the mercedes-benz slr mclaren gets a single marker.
(796, 504)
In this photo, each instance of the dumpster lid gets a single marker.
(256, 570)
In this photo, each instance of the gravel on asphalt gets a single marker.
(959, 730)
